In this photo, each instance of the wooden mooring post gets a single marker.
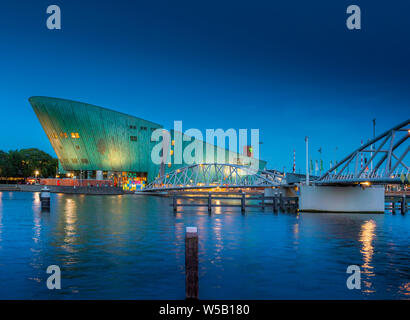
(274, 207)
(174, 203)
(243, 202)
(209, 203)
(393, 209)
(280, 202)
(403, 208)
(45, 198)
(191, 263)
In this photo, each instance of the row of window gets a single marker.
(141, 128)
(64, 135)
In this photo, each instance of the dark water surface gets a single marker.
(132, 247)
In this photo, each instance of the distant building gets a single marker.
(95, 142)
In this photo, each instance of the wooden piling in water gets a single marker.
(243, 202)
(191, 263)
(209, 203)
(393, 209)
(275, 204)
(45, 198)
(403, 208)
(280, 202)
(174, 202)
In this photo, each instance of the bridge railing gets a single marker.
(386, 159)
(212, 175)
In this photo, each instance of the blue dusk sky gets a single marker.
(288, 68)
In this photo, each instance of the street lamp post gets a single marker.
(374, 136)
(307, 160)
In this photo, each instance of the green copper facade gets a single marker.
(87, 137)
(90, 138)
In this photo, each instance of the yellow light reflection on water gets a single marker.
(219, 244)
(70, 229)
(367, 235)
(404, 289)
(217, 210)
(36, 198)
(296, 230)
(37, 226)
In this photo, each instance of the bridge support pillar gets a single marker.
(342, 199)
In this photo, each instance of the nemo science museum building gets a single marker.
(92, 142)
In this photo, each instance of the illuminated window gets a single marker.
(169, 164)
(172, 152)
(133, 138)
(75, 135)
(173, 142)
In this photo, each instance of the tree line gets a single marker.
(24, 163)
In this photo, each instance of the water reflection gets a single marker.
(296, 232)
(404, 289)
(70, 228)
(36, 217)
(367, 234)
(217, 229)
(37, 226)
(217, 210)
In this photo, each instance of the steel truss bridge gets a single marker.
(386, 161)
(214, 175)
(381, 160)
